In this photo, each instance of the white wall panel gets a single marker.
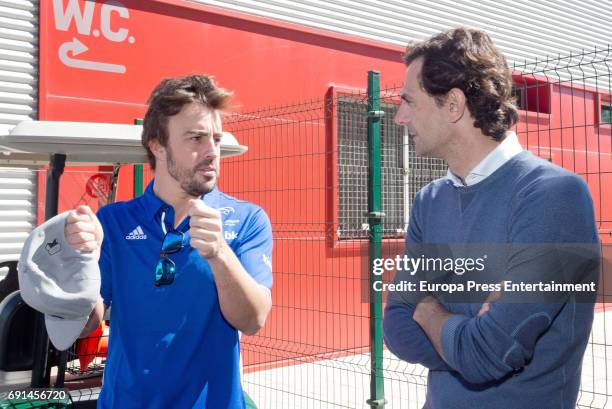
(18, 102)
(17, 209)
(523, 29)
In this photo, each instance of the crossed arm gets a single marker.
(502, 338)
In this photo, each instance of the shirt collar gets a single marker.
(505, 151)
(153, 204)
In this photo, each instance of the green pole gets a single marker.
(375, 215)
(138, 172)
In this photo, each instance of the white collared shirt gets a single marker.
(506, 150)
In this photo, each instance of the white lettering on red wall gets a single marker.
(112, 19)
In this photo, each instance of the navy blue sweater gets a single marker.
(517, 355)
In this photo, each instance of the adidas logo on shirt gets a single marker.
(136, 234)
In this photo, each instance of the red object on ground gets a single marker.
(95, 345)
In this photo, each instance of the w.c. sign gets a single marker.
(112, 17)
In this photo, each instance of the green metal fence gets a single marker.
(375, 216)
(337, 178)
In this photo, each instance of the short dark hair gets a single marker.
(170, 96)
(467, 59)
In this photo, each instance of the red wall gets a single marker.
(571, 137)
(265, 64)
(318, 301)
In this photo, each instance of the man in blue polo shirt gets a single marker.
(184, 266)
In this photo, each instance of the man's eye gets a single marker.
(196, 138)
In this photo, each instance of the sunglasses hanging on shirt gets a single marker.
(172, 243)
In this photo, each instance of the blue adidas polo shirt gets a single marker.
(170, 346)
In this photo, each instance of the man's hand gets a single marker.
(205, 229)
(494, 296)
(432, 316)
(244, 303)
(83, 230)
(427, 308)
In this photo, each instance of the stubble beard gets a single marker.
(188, 178)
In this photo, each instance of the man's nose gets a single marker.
(401, 116)
(209, 150)
(211, 153)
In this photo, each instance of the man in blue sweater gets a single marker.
(534, 221)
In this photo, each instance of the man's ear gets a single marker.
(158, 150)
(456, 104)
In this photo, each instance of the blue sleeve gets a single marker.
(550, 220)
(105, 262)
(403, 335)
(255, 248)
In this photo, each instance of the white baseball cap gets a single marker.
(58, 281)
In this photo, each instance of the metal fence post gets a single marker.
(41, 371)
(375, 215)
(138, 171)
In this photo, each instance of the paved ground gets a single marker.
(344, 382)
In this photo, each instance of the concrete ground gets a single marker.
(344, 382)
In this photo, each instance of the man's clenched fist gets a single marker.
(83, 230)
(205, 229)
